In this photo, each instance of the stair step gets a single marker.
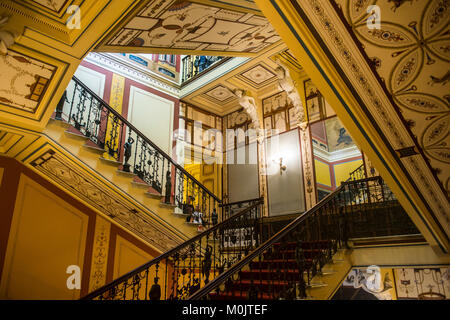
(327, 272)
(167, 205)
(314, 285)
(126, 174)
(278, 263)
(181, 215)
(153, 195)
(320, 244)
(238, 295)
(77, 135)
(110, 161)
(89, 145)
(142, 185)
(194, 223)
(266, 274)
(291, 253)
(60, 122)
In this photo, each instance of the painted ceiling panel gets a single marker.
(170, 24)
(411, 54)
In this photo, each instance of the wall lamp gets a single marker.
(282, 167)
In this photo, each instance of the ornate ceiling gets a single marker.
(208, 27)
(257, 76)
(411, 54)
(45, 52)
(387, 85)
(56, 6)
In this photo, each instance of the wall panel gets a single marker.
(285, 189)
(47, 235)
(153, 116)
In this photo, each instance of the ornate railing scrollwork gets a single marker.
(284, 265)
(123, 143)
(180, 272)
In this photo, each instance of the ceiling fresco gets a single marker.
(220, 93)
(25, 81)
(185, 25)
(258, 76)
(411, 54)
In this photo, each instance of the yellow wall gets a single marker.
(43, 230)
(322, 173)
(342, 170)
(47, 235)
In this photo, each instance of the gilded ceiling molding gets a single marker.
(185, 26)
(344, 49)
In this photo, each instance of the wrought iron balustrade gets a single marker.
(180, 272)
(285, 264)
(228, 209)
(194, 65)
(134, 152)
(357, 174)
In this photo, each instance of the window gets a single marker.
(169, 58)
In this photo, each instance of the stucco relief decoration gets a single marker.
(286, 83)
(186, 25)
(412, 50)
(249, 105)
(71, 178)
(24, 80)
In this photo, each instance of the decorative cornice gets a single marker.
(133, 72)
(339, 155)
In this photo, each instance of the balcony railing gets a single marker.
(195, 65)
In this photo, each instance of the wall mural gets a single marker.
(193, 26)
(411, 53)
(24, 80)
(399, 283)
(337, 136)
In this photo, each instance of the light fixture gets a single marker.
(282, 167)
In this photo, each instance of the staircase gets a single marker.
(239, 257)
(92, 131)
(309, 257)
(180, 272)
